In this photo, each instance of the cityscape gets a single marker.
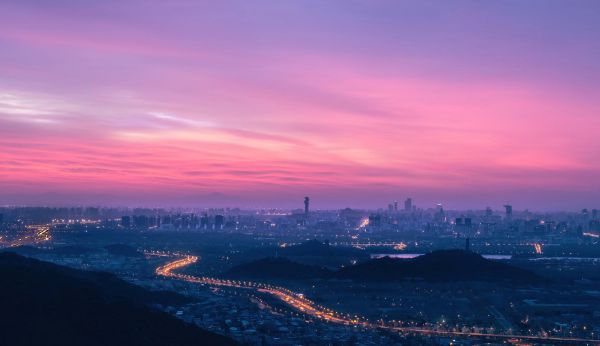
(290, 173)
(275, 276)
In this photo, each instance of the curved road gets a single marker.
(298, 302)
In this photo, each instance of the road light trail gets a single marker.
(298, 302)
(295, 300)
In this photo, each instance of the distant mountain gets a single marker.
(442, 265)
(316, 248)
(46, 304)
(277, 268)
(437, 266)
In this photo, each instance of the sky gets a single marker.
(355, 103)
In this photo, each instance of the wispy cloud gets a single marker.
(181, 120)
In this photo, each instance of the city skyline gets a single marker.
(260, 104)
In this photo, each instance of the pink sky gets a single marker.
(355, 103)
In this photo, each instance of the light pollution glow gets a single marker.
(355, 103)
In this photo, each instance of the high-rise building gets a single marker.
(509, 210)
(204, 221)
(306, 205)
(395, 205)
(439, 213)
(374, 220)
(219, 221)
(408, 205)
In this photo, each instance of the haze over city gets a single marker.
(257, 104)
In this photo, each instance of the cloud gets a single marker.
(182, 121)
(28, 108)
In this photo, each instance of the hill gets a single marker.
(311, 252)
(437, 266)
(46, 304)
(277, 268)
(316, 248)
(442, 265)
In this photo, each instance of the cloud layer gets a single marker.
(258, 104)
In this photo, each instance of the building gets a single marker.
(306, 205)
(219, 221)
(204, 221)
(375, 220)
(509, 210)
(408, 205)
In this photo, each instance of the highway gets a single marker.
(298, 302)
(295, 300)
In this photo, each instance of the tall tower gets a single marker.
(306, 205)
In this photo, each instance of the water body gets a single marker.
(580, 259)
(413, 255)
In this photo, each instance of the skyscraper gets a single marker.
(204, 221)
(508, 209)
(219, 221)
(408, 204)
(306, 205)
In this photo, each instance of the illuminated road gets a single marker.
(295, 300)
(39, 234)
(298, 302)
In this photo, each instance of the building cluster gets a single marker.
(174, 222)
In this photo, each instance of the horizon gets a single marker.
(466, 104)
(291, 208)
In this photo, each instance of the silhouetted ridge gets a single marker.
(46, 304)
(317, 248)
(442, 265)
(277, 268)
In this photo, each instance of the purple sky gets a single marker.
(355, 103)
